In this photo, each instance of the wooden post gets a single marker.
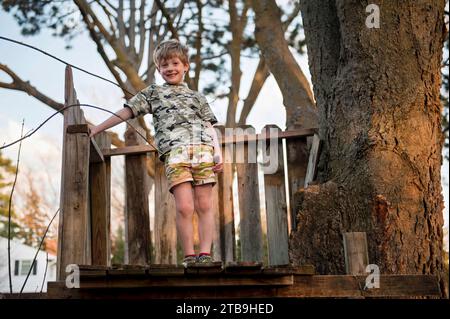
(225, 194)
(165, 219)
(356, 253)
(100, 181)
(249, 207)
(276, 208)
(137, 219)
(313, 160)
(297, 161)
(216, 249)
(74, 220)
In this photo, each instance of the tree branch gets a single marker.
(166, 15)
(19, 85)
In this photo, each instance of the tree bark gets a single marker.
(377, 92)
(297, 96)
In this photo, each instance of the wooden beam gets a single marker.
(142, 149)
(165, 219)
(74, 238)
(276, 208)
(226, 208)
(128, 150)
(356, 253)
(212, 287)
(254, 137)
(297, 163)
(96, 155)
(137, 219)
(248, 192)
(100, 180)
(313, 160)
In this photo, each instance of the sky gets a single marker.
(41, 154)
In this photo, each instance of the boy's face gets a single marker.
(172, 70)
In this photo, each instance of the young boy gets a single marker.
(186, 142)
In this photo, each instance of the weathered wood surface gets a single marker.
(249, 206)
(165, 219)
(137, 219)
(297, 162)
(356, 253)
(313, 160)
(74, 238)
(225, 201)
(128, 150)
(275, 197)
(238, 138)
(211, 287)
(100, 188)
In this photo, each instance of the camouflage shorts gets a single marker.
(192, 163)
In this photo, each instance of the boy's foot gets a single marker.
(204, 259)
(189, 260)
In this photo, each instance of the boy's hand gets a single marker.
(219, 162)
(92, 130)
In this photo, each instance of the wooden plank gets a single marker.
(276, 208)
(165, 270)
(249, 206)
(129, 150)
(139, 281)
(353, 286)
(243, 268)
(226, 209)
(100, 207)
(137, 219)
(392, 286)
(96, 155)
(307, 270)
(204, 269)
(216, 247)
(77, 128)
(165, 219)
(254, 137)
(297, 163)
(356, 253)
(74, 219)
(313, 160)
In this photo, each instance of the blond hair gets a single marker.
(170, 49)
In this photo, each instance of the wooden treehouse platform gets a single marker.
(84, 223)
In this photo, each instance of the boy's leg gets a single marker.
(185, 209)
(203, 207)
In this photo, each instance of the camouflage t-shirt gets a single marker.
(179, 115)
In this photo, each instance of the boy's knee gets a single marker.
(185, 209)
(203, 205)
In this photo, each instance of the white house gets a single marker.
(21, 258)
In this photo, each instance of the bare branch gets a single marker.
(198, 46)
(101, 51)
(260, 77)
(19, 85)
(142, 32)
(121, 24)
(108, 15)
(123, 60)
(132, 26)
(166, 15)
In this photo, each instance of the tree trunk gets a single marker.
(297, 96)
(377, 92)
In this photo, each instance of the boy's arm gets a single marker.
(217, 148)
(122, 115)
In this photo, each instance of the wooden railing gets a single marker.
(84, 228)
